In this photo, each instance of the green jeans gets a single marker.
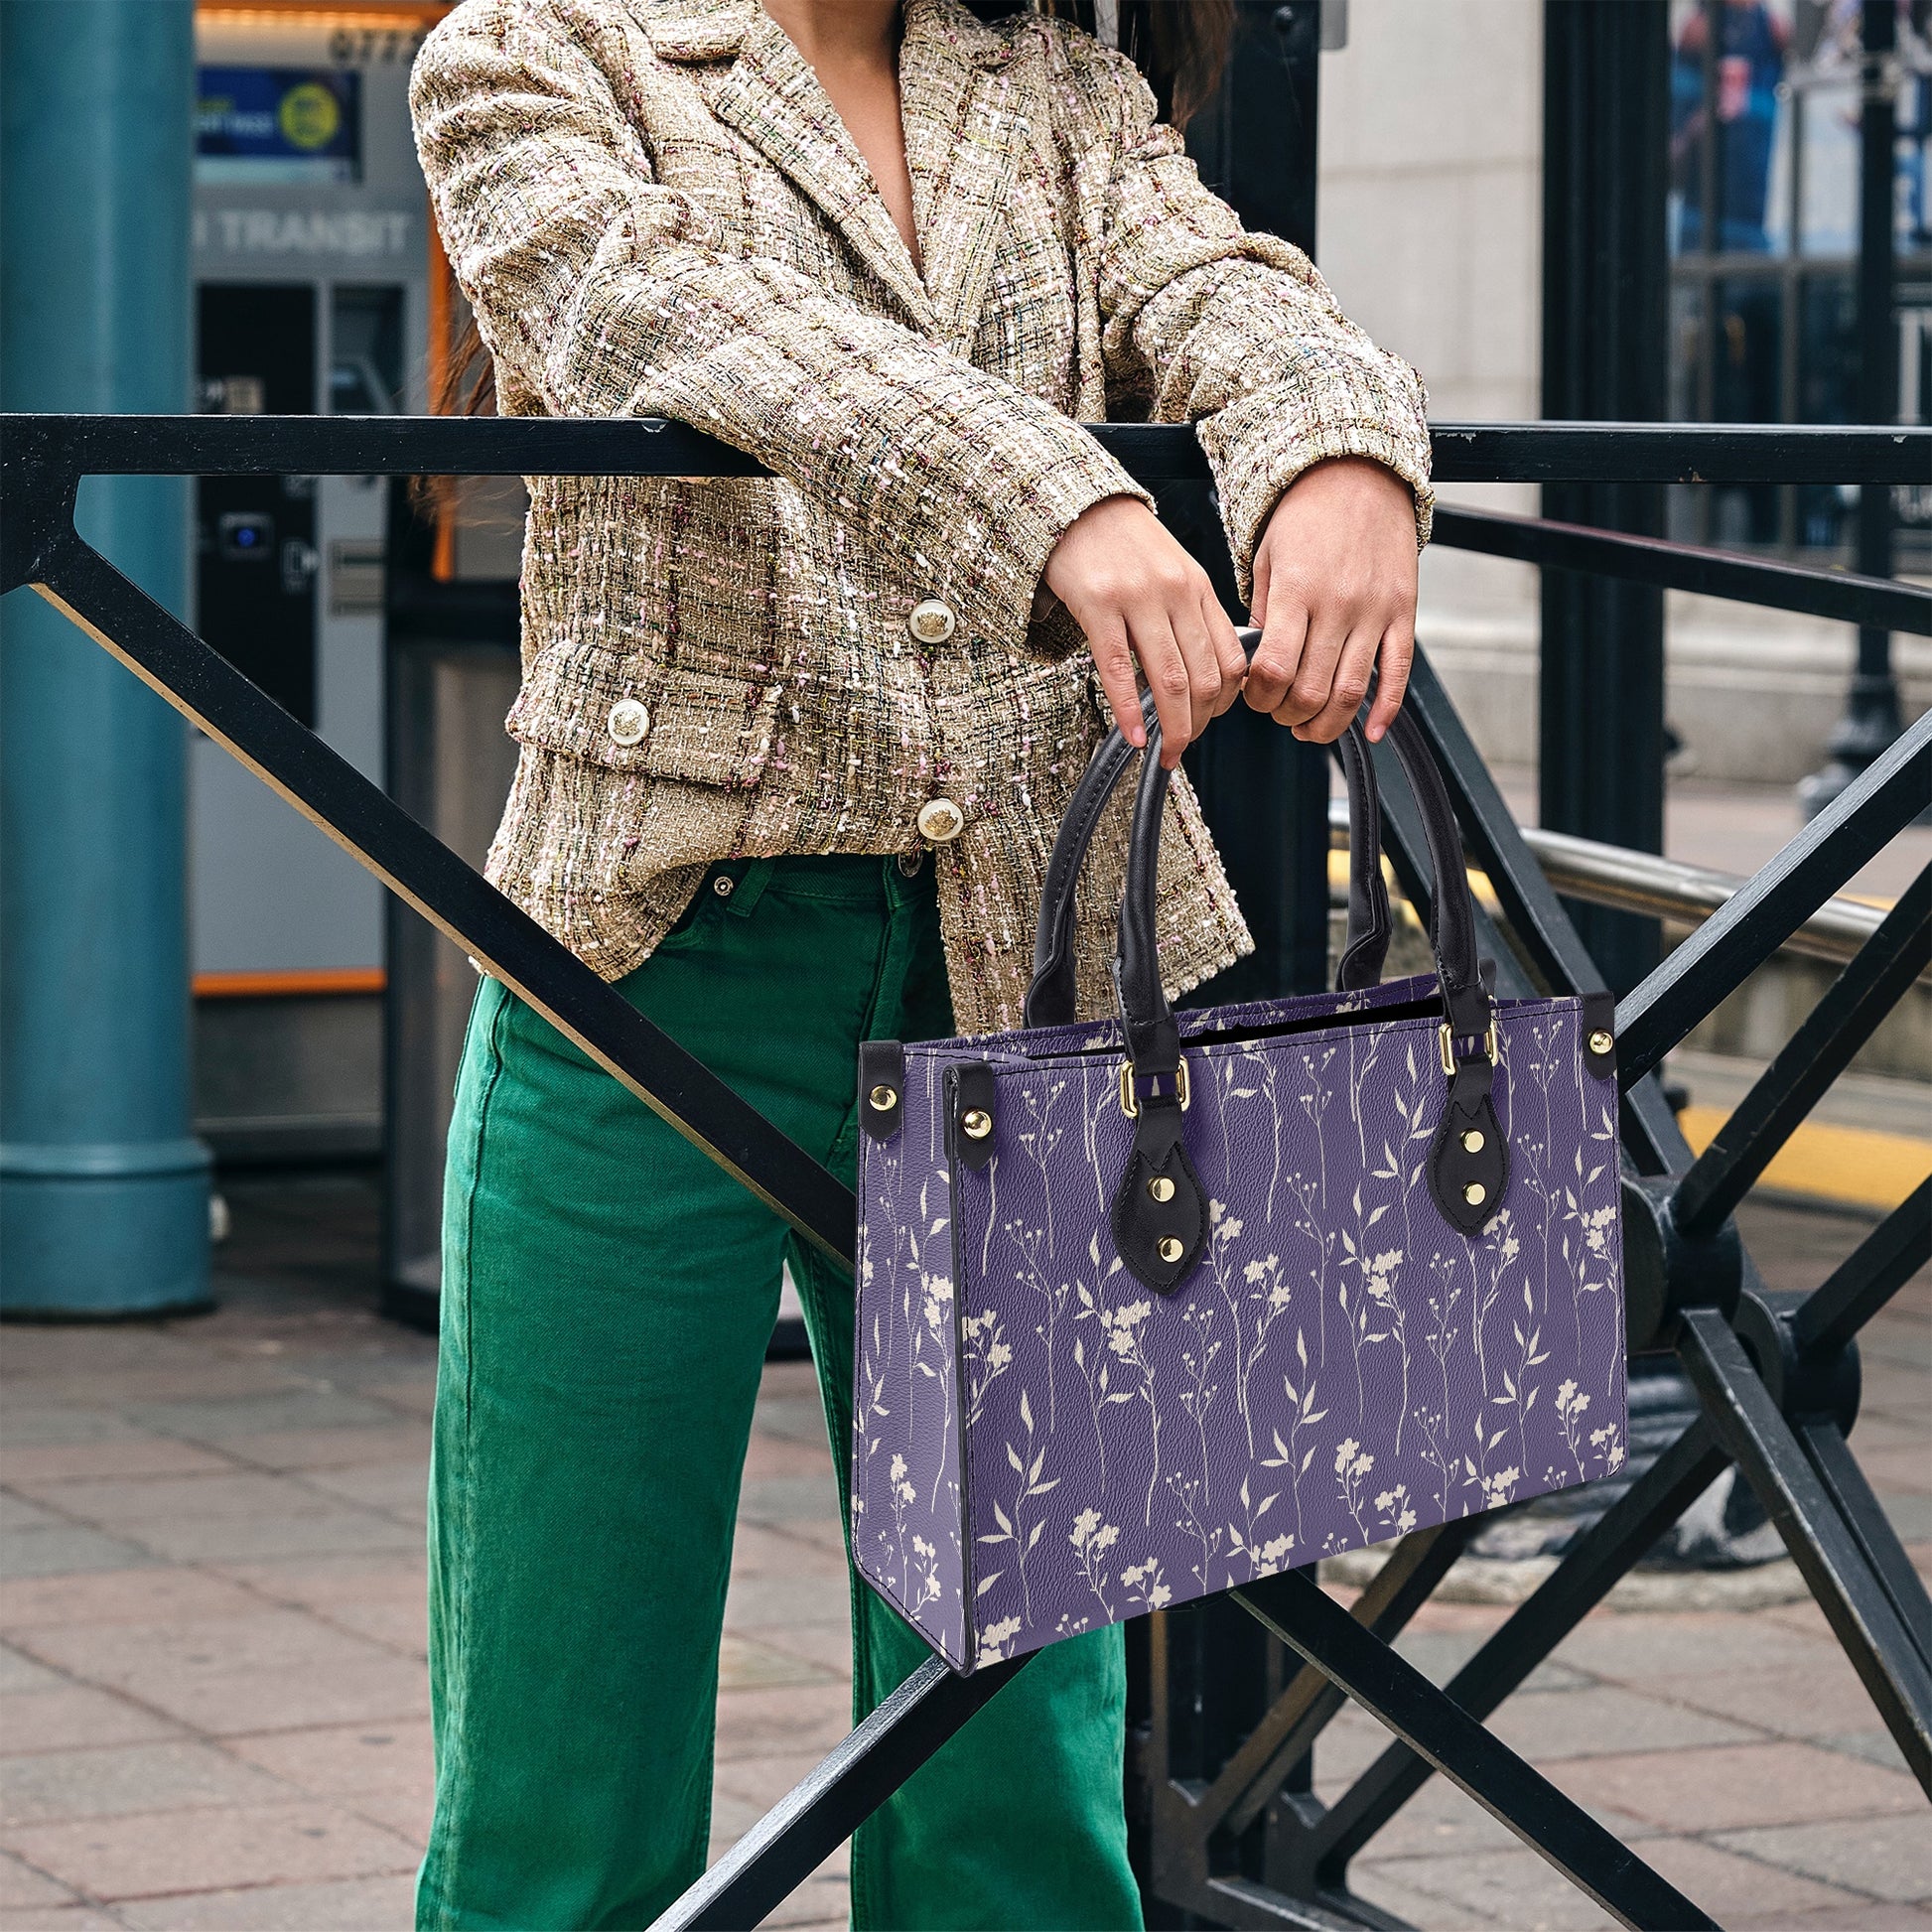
(606, 1297)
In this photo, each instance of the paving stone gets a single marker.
(401, 1627)
(18, 1674)
(1885, 1858)
(414, 1396)
(406, 1813)
(61, 1918)
(330, 1449)
(1863, 1916)
(779, 1456)
(281, 1670)
(79, 1716)
(787, 1499)
(125, 1504)
(1732, 1888)
(122, 1596)
(173, 1851)
(1878, 1747)
(22, 1889)
(298, 1409)
(761, 1781)
(1826, 1696)
(42, 1353)
(65, 1550)
(398, 1489)
(1904, 1466)
(347, 1905)
(1548, 1724)
(828, 1645)
(1384, 1883)
(804, 1716)
(328, 1529)
(131, 1390)
(1509, 1889)
(785, 1600)
(1632, 1646)
(99, 1783)
(1734, 1785)
(346, 1761)
(747, 1665)
(761, 1551)
(325, 1583)
(1439, 1653)
(19, 1512)
(1910, 1511)
(136, 1455)
(30, 1424)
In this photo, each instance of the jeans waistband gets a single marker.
(840, 878)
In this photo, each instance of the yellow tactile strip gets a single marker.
(1856, 1165)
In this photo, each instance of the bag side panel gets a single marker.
(906, 1491)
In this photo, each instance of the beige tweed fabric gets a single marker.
(654, 211)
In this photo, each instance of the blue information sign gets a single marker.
(279, 124)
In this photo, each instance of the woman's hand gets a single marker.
(1137, 594)
(1334, 592)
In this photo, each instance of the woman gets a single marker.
(793, 752)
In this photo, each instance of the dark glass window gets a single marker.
(1763, 232)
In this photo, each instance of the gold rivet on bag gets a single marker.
(977, 1123)
(884, 1099)
(1170, 1248)
(1161, 1188)
(1600, 1042)
(1475, 1194)
(1472, 1141)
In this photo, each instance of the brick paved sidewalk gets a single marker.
(212, 1709)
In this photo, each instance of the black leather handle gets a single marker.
(1144, 1006)
(1051, 995)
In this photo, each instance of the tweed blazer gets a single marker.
(655, 210)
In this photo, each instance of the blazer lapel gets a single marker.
(964, 111)
(773, 98)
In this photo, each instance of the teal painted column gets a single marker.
(103, 1189)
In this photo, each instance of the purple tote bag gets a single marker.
(1151, 1307)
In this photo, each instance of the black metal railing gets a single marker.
(1247, 1843)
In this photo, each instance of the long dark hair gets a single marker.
(1181, 46)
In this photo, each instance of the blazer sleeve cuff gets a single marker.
(1258, 446)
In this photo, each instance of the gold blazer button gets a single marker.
(931, 622)
(941, 820)
(628, 722)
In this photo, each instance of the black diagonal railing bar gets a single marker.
(1856, 1603)
(337, 798)
(1742, 934)
(1837, 1468)
(1251, 1778)
(1590, 1568)
(813, 1819)
(1810, 1060)
(1839, 595)
(1867, 1277)
(1294, 1608)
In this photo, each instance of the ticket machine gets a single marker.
(312, 264)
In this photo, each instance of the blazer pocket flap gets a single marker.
(706, 728)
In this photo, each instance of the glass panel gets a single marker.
(1828, 379)
(1746, 386)
(1728, 74)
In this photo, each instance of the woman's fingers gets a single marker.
(1284, 637)
(1346, 687)
(1232, 660)
(1315, 675)
(1165, 668)
(1397, 654)
(1114, 662)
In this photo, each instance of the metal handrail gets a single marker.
(1666, 888)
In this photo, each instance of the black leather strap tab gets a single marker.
(1140, 1222)
(1468, 1162)
(970, 1118)
(1599, 1024)
(881, 1071)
